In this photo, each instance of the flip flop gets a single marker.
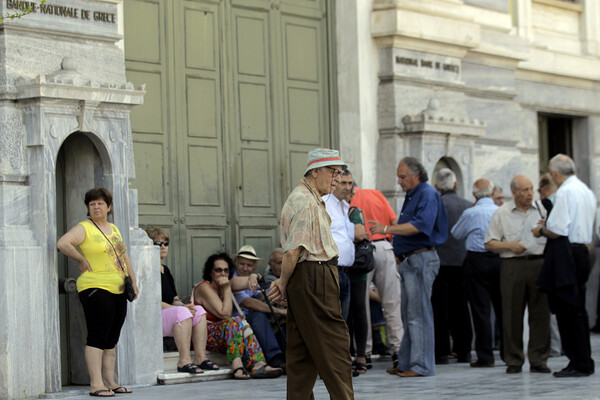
(122, 390)
(245, 375)
(208, 365)
(262, 374)
(190, 369)
(97, 393)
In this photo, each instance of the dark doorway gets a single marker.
(555, 136)
(78, 168)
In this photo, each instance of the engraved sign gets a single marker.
(63, 11)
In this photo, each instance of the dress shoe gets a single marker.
(570, 373)
(393, 371)
(542, 369)
(408, 374)
(478, 364)
(513, 369)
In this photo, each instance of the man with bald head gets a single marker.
(509, 235)
(569, 229)
(482, 270)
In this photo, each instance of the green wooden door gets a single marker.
(241, 91)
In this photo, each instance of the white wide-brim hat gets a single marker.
(248, 252)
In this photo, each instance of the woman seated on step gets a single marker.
(186, 323)
(226, 334)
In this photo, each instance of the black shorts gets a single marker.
(105, 314)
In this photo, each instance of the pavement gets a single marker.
(452, 381)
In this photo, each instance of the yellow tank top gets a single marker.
(106, 273)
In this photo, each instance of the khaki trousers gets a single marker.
(317, 335)
(518, 278)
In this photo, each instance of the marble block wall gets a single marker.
(59, 77)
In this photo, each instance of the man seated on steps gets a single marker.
(257, 312)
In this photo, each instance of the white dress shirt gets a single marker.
(573, 211)
(342, 229)
(510, 224)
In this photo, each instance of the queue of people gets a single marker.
(442, 263)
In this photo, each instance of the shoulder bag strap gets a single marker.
(111, 245)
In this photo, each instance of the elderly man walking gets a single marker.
(570, 226)
(317, 335)
(421, 227)
(482, 271)
(509, 235)
(449, 298)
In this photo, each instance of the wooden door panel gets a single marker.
(201, 243)
(149, 117)
(305, 86)
(144, 42)
(254, 141)
(253, 117)
(203, 120)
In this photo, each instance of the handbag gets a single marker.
(245, 324)
(129, 292)
(364, 261)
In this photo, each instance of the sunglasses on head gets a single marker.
(165, 242)
(219, 270)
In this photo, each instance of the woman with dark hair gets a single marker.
(103, 264)
(227, 334)
(185, 323)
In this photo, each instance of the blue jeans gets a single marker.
(417, 350)
(344, 293)
(259, 322)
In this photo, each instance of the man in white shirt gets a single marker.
(342, 231)
(572, 217)
(509, 235)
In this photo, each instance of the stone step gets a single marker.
(170, 376)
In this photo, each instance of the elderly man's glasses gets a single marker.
(335, 172)
(164, 242)
(218, 270)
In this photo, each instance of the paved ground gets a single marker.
(454, 381)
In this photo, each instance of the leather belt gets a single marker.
(380, 240)
(578, 245)
(530, 257)
(404, 256)
(333, 261)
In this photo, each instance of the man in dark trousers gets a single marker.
(482, 271)
(565, 273)
(421, 227)
(317, 335)
(449, 298)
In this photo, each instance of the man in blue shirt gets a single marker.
(482, 270)
(422, 225)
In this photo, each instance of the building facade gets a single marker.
(197, 115)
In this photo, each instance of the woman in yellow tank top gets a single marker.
(103, 261)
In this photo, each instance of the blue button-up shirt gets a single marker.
(424, 209)
(474, 223)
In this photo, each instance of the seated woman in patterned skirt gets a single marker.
(226, 334)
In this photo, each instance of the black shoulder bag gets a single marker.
(129, 292)
(364, 261)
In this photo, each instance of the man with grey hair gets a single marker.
(509, 235)
(482, 270)
(422, 226)
(449, 299)
(565, 272)
(498, 195)
(274, 272)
